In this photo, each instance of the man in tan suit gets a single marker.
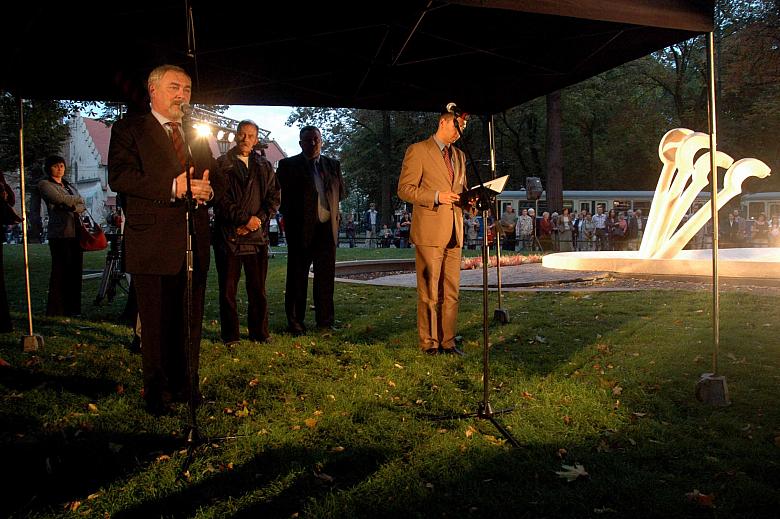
(432, 176)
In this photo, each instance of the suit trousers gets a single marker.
(321, 251)
(438, 288)
(163, 310)
(6, 325)
(255, 272)
(67, 260)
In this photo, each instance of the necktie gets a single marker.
(178, 144)
(448, 161)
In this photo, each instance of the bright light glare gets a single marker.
(231, 136)
(203, 130)
(220, 135)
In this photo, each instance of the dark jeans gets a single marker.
(228, 273)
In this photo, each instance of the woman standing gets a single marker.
(9, 198)
(565, 228)
(64, 205)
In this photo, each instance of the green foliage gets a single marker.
(347, 423)
(45, 130)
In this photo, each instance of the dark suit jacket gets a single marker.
(299, 197)
(142, 165)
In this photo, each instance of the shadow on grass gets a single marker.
(17, 379)
(281, 481)
(69, 464)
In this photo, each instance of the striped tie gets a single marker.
(178, 144)
(447, 160)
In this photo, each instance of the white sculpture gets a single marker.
(685, 172)
(675, 192)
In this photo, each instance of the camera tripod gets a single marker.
(113, 274)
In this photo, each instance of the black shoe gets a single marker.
(261, 340)
(157, 407)
(296, 330)
(231, 344)
(453, 351)
(184, 397)
(431, 351)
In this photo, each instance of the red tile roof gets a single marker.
(101, 135)
(274, 153)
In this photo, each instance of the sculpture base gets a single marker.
(738, 263)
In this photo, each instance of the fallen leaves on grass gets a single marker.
(572, 472)
(310, 422)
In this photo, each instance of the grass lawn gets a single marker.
(347, 423)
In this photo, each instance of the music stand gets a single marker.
(483, 196)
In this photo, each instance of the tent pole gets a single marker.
(500, 314)
(30, 342)
(711, 388)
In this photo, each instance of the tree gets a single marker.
(554, 152)
(45, 130)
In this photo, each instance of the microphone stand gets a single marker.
(190, 205)
(193, 433)
(483, 202)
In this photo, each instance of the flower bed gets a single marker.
(519, 259)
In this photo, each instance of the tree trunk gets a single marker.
(386, 203)
(554, 153)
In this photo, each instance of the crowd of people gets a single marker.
(613, 230)
(561, 232)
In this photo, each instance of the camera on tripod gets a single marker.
(113, 272)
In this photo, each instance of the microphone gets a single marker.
(186, 109)
(453, 109)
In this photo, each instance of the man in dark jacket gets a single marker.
(149, 160)
(312, 187)
(242, 220)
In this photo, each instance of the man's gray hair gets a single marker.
(156, 75)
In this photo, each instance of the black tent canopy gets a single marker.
(486, 55)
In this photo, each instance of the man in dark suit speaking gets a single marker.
(312, 188)
(147, 159)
